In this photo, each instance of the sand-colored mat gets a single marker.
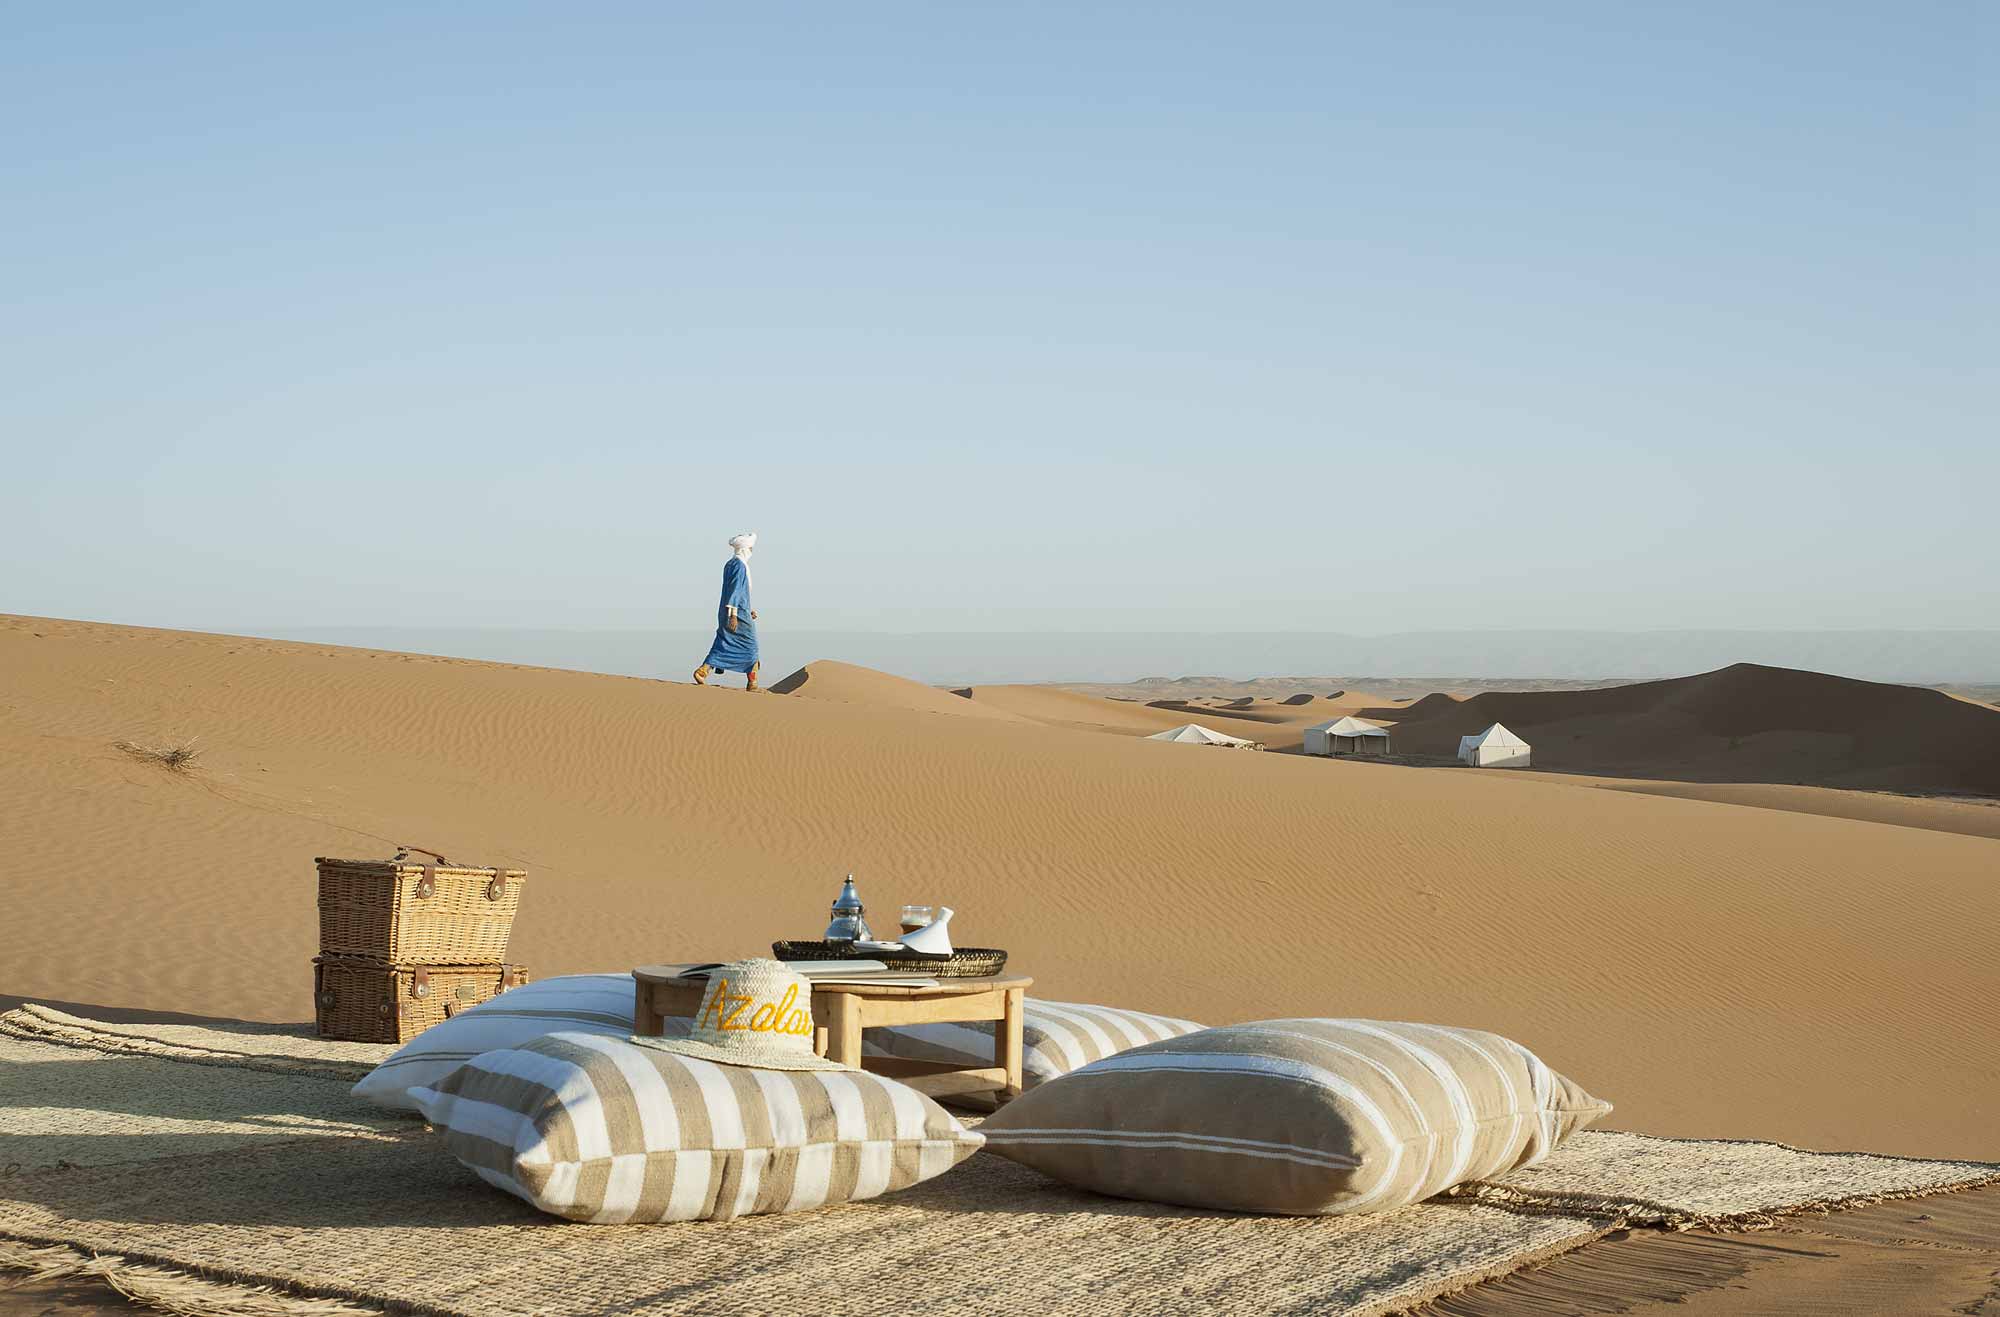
(400, 1221)
(63, 1106)
(279, 1178)
(275, 1048)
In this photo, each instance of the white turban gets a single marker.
(743, 543)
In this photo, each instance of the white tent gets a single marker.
(1496, 747)
(1196, 734)
(1346, 736)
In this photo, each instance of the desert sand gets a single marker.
(1715, 970)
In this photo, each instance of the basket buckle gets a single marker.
(427, 885)
(420, 983)
(497, 888)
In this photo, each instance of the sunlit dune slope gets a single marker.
(1713, 970)
(845, 683)
(1046, 704)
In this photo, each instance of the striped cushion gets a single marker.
(1306, 1117)
(1056, 1038)
(580, 1003)
(598, 1129)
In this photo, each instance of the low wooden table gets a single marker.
(841, 1011)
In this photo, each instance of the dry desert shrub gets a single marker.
(176, 758)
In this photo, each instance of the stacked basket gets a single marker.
(404, 945)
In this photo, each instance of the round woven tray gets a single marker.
(964, 963)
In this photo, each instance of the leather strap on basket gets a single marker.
(497, 888)
(420, 982)
(427, 882)
(403, 853)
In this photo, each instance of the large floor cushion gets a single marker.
(1056, 1038)
(1304, 1117)
(579, 1003)
(599, 1129)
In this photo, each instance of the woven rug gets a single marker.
(301, 1188)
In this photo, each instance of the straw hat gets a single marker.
(754, 1013)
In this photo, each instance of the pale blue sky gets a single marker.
(1323, 317)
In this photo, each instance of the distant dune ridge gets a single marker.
(1714, 970)
(1745, 722)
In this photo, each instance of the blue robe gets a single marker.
(734, 651)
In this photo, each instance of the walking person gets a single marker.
(735, 647)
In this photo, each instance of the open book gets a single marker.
(838, 971)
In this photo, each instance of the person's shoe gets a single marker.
(701, 675)
(751, 683)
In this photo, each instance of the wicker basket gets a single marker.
(365, 1001)
(964, 963)
(407, 913)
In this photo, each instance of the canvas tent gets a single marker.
(1346, 736)
(1496, 747)
(1196, 734)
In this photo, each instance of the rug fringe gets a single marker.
(1640, 1212)
(179, 1292)
(40, 1024)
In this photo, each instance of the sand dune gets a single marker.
(1714, 970)
(1061, 708)
(1744, 723)
(1973, 818)
(844, 683)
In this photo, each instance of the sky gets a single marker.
(1271, 317)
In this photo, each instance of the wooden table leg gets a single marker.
(647, 1022)
(1007, 1042)
(843, 1029)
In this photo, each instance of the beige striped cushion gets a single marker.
(1056, 1038)
(1306, 1117)
(580, 1003)
(597, 1129)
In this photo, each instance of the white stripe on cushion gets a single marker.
(1454, 1091)
(1119, 1023)
(659, 1122)
(622, 1187)
(907, 1111)
(781, 1102)
(1471, 1040)
(485, 1120)
(1389, 1075)
(750, 1179)
(1076, 1021)
(812, 1177)
(725, 1118)
(1180, 1138)
(878, 1159)
(571, 1086)
(1269, 1067)
(1186, 1145)
(849, 1116)
(692, 1169)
